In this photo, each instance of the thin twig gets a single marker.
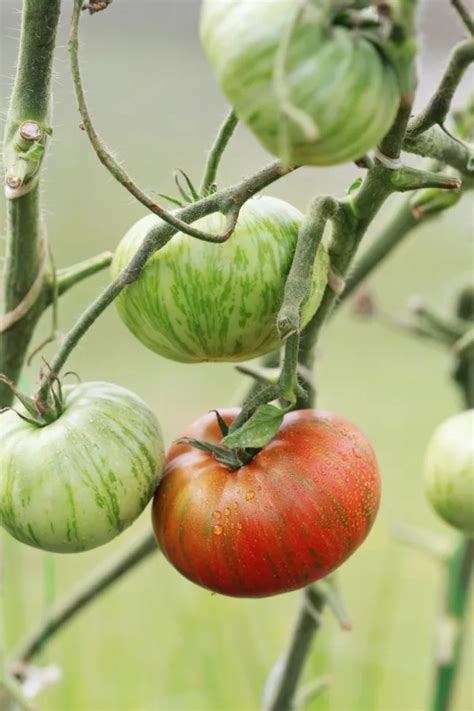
(156, 239)
(464, 14)
(70, 276)
(231, 210)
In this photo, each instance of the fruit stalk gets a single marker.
(26, 278)
(215, 154)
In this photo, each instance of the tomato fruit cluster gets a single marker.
(449, 471)
(77, 482)
(295, 513)
(196, 301)
(332, 78)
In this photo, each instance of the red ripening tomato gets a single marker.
(292, 515)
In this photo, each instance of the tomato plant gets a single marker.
(289, 517)
(196, 301)
(334, 96)
(77, 482)
(449, 471)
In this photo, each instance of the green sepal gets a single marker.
(223, 426)
(258, 430)
(172, 200)
(27, 402)
(227, 457)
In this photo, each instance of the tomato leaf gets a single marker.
(258, 430)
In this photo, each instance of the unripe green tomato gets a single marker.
(195, 301)
(332, 76)
(449, 471)
(79, 481)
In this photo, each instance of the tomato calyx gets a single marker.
(37, 412)
(232, 459)
(241, 441)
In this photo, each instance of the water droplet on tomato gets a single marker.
(217, 515)
(217, 530)
(249, 495)
(226, 512)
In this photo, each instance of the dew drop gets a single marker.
(226, 512)
(217, 530)
(217, 515)
(249, 495)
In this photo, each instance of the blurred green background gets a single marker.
(156, 641)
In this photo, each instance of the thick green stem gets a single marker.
(25, 296)
(298, 284)
(308, 621)
(400, 225)
(452, 623)
(215, 154)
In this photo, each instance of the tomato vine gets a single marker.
(33, 284)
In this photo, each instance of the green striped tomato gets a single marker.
(449, 471)
(196, 301)
(78, 482)
(332, 76)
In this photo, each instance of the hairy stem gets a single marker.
(231, 210)
(438, 107)
(215, 154)
(155, 240)
(24, 295)
(70, 276)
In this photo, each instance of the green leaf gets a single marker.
(34, 153)
(355, 186)
(258, 430)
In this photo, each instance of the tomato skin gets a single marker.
(78, 482)
(338, 79)
(449, 471)
(291, 516)
(196, 301)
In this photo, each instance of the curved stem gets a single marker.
(155, 240)
(437, 109)
(231, 210)
(215, 154)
